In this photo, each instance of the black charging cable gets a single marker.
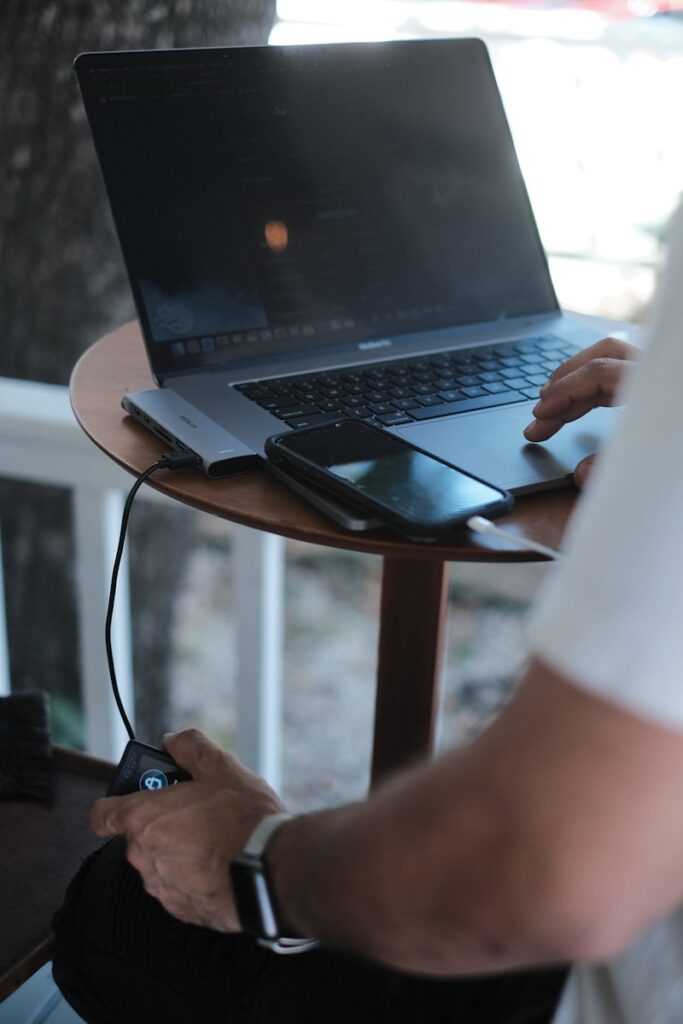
(173, 461)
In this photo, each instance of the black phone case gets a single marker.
(415, 530)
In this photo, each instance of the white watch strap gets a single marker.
(286, 947)
(260, 837)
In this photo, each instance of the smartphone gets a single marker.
(423, 497)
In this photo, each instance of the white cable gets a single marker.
(481, 525)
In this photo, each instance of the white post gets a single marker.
(97, 520)
(41, 442)
(5, 684)
(259, 574)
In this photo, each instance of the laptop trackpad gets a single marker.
(490, 444)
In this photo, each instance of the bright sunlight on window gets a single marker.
(592, 92)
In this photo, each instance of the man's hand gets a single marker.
(589, 379)
(182, 839)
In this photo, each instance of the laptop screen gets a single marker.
(273, 200)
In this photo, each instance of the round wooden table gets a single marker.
(415, 576)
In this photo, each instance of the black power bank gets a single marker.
(145, 769)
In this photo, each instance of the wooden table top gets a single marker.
(118, 363)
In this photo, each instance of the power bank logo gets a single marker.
(153, 779)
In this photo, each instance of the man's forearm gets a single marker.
(417, 877)
(505, 853)
(510, 851)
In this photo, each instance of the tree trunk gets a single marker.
(63, 285)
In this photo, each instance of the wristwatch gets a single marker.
(254, 895)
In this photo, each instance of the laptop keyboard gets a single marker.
(417, 388)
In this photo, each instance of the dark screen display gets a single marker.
(416, 485)
(279, 199)
(393, 473)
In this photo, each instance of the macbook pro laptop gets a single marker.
(340, 230)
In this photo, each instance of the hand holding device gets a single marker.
(424, 497)
(183, 839)
(217, 826)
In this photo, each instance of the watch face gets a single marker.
(252, 897)
(255, 900)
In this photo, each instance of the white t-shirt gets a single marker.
(611, 619)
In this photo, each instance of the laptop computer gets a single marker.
(338, 230)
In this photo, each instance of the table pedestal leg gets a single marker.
(411, 639)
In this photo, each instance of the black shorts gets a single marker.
(121, 959)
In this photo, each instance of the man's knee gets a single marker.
(120, 957)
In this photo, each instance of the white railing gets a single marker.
(41, 442)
